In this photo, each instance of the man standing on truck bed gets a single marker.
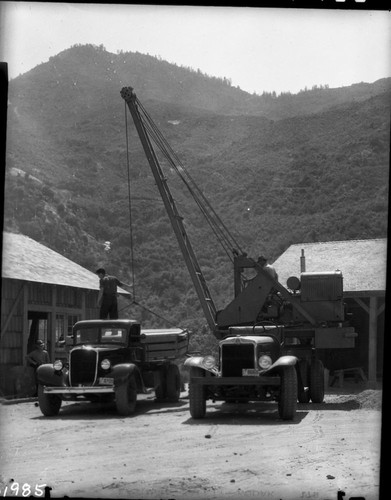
(262, 261)
(107, 298)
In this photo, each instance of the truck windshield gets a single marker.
(96, 335)
(113, 335)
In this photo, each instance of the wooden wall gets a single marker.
(18, 298)
(12, 317)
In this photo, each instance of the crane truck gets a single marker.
(268, 334)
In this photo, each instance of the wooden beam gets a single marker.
(52, 323)
(362, 303)
(11, 313)
(25, 332)
(381, 308)
(83, 304)
(372, 343)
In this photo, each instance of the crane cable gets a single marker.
(215, 228)
(130, 211)
(223, 235)
(226, 239)
(133, 286)
(218, 227)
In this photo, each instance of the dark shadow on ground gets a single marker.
(86, 410)
(350, 404)
(336, 399)
(257, 413)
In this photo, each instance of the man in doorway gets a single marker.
(39, 356)
(107, 298)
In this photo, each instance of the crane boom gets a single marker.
(198, 279)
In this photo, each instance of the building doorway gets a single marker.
(38, 329)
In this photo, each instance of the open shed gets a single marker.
(364, 268)
(42, 295)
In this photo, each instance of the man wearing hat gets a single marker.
(262, 261)
(39, 356)
(107, 298)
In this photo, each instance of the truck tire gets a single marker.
(160, 384)
(197, 397)
(287, 402)
(126, 397)
(317, 381)
(303, 380)
(173, 383)
(49, 404)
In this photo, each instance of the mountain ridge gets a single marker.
(280, 170)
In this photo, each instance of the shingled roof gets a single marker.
(363, 263)
(25, 259)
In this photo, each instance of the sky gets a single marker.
(258, 49)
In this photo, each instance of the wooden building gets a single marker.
(42, 295)
(364, 268)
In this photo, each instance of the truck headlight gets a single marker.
(57, 365)
(105, 364)
(209, 362)
(264, 361)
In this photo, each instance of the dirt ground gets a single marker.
(236, 452)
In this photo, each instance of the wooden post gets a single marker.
(52, 323)
(25, 324)
(11, 312)
(83, 304)
(372, 343)
(302, 261)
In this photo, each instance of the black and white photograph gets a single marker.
(194, 250)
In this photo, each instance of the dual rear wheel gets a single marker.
(312, 376)
(168, 384)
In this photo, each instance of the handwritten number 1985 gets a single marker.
(24, 490)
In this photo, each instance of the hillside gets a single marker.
(278, 169)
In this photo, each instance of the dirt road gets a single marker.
(238, 452)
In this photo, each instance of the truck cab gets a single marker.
(251, 367)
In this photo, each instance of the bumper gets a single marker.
(261, 380)
(78, 390)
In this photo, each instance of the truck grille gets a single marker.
(235, 357)
(83, 366)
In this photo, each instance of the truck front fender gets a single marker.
(122, 372)
(280, 364)
(197, 361)
(47, 375)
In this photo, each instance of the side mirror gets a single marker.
(69, 340)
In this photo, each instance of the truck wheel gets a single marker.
(49, 404)
(317, 381)
(287, 402)
(173, 383)
(160, 384)
(197, 397)
(303, 378)
(126, 397)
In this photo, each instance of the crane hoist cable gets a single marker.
(130, 211)
(226, 239)
(134, 302)
(221, 237)
(133, 286)
(218, 227)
